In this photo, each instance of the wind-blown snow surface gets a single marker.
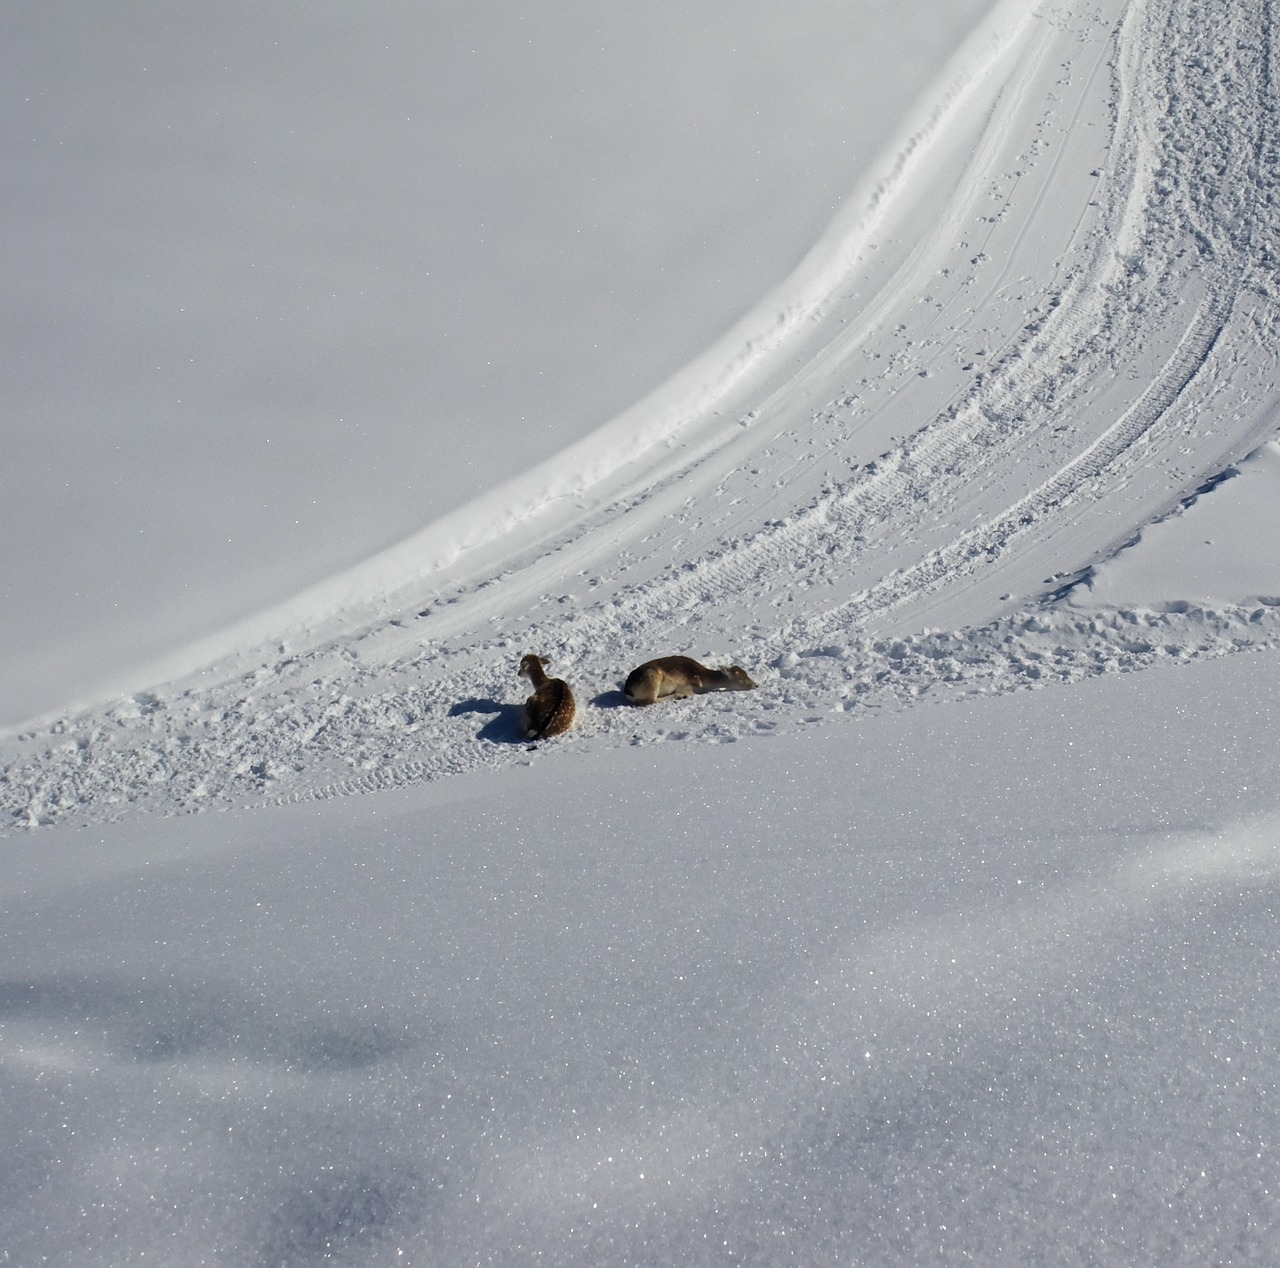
(892, 960)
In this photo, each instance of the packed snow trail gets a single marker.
(1050, 318)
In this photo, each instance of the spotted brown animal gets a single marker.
(551, 709)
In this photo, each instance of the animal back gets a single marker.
(665, 676)
(550, 710)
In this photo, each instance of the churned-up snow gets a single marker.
(953, 942)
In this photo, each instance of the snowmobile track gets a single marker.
(1053, 315)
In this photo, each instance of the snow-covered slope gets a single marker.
(889, 961)
(264, 266)
(984, 982)
(1048, 318)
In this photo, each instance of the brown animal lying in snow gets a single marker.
(681, 676)
(551, 709)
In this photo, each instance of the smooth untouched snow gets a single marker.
(1223, 546)
(953, 942)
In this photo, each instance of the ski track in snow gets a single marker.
(1055, 318)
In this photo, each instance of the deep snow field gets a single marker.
(954, 942)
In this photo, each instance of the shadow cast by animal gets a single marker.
(610, 700)
(503, 728)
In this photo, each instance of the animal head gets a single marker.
(741, 679)
(530, 665)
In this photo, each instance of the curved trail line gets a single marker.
(1051, 314)
(1084, 472)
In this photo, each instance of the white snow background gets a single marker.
(954, 942)
(288, 281)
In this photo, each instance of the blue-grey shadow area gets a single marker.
(332, 1194)
(611, 700)
(502, 728)
(185, 1021)
(342, 1216)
